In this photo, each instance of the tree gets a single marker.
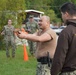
(9, 10)
(43, 5)
(55, 5)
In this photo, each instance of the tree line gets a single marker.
(10, 8)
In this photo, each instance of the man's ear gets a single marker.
(67, 14)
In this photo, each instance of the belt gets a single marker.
(44, 60)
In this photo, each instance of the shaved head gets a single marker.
(44, 22)
(47, 18)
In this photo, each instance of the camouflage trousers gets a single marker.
(32, 47)
(9, 44)
(42, 69)
(68, 73)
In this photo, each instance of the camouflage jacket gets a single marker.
(8, 32)
(31, 27)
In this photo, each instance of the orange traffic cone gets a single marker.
(25, 54)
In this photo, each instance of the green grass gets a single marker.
(17, 65)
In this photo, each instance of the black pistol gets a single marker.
(48, 59)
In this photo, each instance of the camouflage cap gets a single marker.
(31, 16)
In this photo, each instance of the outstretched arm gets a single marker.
(34, 37)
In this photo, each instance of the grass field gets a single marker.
(17, 65)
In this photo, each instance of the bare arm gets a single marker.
(34, 37)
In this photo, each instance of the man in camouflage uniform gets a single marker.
(9, 38)
(31, 27)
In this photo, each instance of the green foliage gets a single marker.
(74, 1)
(21, 17)
(55, 5)
(9, 10)
(4, 16)
(45, 6)
(52, 15)
(12, 5)
(37, 4)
